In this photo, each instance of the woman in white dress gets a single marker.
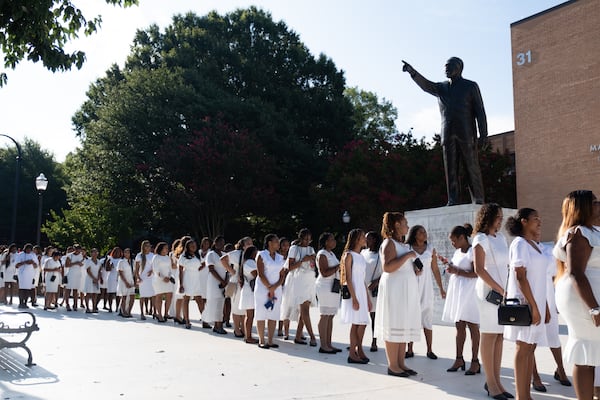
(460, 307)
(417, 240)
(189, 264)
(52, 278)
(248, 283)
(372, 276)
(92, 281)
(162, 280)
(10, 273)
(217, 281)
(578, 286)
(398, 311)
(527, 282)
(301, 260)
(286, 308)
(355, 310)
(205, 245)
(27, 266)
(329, 301)
(73, 272)
(267, 292)
(235, 259)
(126, 284)
(143, 276)
(491, 266)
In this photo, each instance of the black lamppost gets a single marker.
(13, 228)
(41, 184)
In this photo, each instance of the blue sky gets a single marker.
(366, 39)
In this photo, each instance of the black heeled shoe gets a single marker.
(472, 371)
(539, 388)
(456, 367)
(409, 354)
(431, 355)
(564, 382)
(499, 396)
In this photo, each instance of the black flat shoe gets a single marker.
(322, 350)
(409, 355)
(240, 335)
(313, 343)
(373, 349)
(431, 355)
(273, 346)
(564, 382)
(263, 346)
(220, 331)
(338, 350)
(353, 361)
(400, 374)
(366, 359)
(539, 388)
(299, 341)
(410, 371)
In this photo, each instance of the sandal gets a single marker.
(299, 341)
(251, 341)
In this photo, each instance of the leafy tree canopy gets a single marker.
(38, 31)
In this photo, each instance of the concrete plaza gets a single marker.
(103, 356)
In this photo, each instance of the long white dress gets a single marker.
(75, 271)
(536, 263)
(460, 302)
(161, 268)
(247, 294)
(235, 258)
(26, 272)
(583, 344)
(398, 311)
(552, 327)
(112, 276)
(127, 270)
(52, 285)
(215, 300)
(146, 285)
(348, 314)
(372, 273)
(191, 275)
(304, 276)
(94, 268)
(272, 269)
(496, 264)
(329, 302)
(10, 271)
(203, 276)
(425, 284)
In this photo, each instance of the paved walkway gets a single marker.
(86, 356)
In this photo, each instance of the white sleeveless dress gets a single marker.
(425, 283)
(272, 269)
(460, 302)
(329, 302)
(348, 314)
(398, 311)
(146, 286)
(583, 344)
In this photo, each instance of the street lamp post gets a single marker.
(41, 184)
(13, 228)
(346, 220)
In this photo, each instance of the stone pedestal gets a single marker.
(438, 223)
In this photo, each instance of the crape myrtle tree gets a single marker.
(39, 30)
(206, 81)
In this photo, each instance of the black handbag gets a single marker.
(252, 284)
(52, 278)
(494, 297)
(65, 280)
(336, 286)
(345, 292)
(512, 312)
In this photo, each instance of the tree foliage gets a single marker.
(39, 30)
(374, 120)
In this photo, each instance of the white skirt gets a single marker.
(90, 286)
(460, 302)
(52, 286)
(235, 301)
(329, 302)
(304, 287)
(10, 273)
(213, 311)
(246, 298)
(74, 278)
(488, 313)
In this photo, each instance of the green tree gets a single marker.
(34, 161)
(374, 120)
(39, 30)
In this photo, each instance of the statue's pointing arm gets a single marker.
(424, 83)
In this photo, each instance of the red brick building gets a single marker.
(556, 83)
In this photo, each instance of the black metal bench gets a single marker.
(16, 329)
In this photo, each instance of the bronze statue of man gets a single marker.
(460, 106)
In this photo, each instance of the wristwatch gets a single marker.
(594, 311)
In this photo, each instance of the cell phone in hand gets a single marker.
(418, 264)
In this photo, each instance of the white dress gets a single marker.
(27, 272)
(372, 273)
(425, 283)
(247, 294)
(213, 311)
(2, 268)
(552, 328)
(398, 311)
(235, 257)
(52, 285)
(203, 277)
(272, 269)
(75, 271)
(146, 286)
(496, 264)
(127, 270)
(10, 271)
(112, 276)
(329, 302)
(304, 276)
(289, 310)
(348, 314)
(191, 275)
(161, 268)
(460, 302)
(536, 264)
(583, 344)
(94, 268)
(103, 284)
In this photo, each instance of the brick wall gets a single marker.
(556, 83)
